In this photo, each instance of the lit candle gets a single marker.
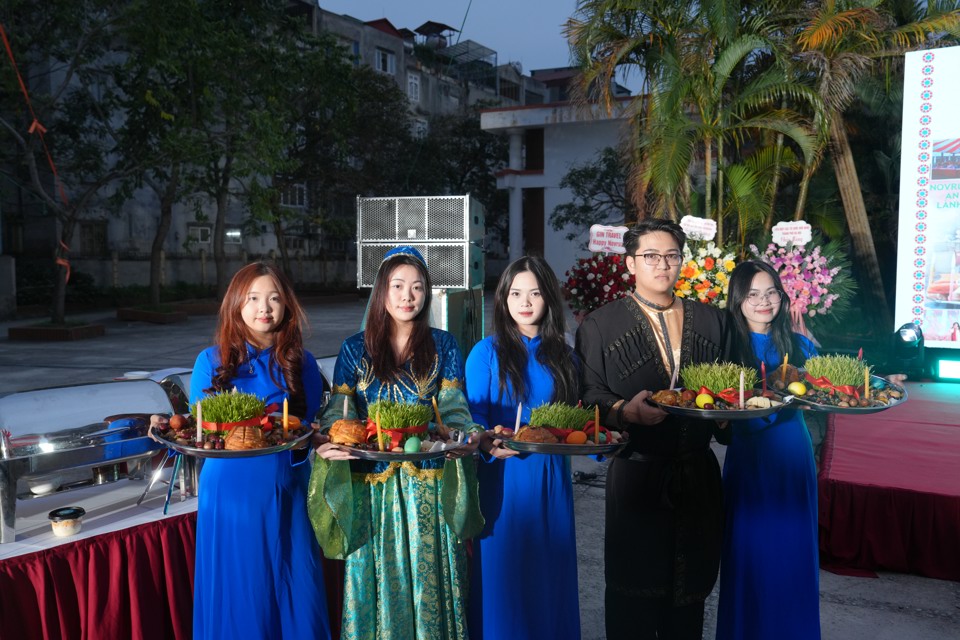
(866, 383)
(783, 375)
(285, 412)
(436, 413)
(763, 374)
(516, 425)
(379, 432)
(741, 388)
(596, 424)
(199, 422)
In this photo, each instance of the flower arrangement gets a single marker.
(597, 280)
(705, 273)
(815, 279)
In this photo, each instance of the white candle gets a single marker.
(741, 388)
(516, 425)
(199, 422)
(345, 407)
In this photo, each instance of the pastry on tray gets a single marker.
(347, 431)
(243, 438)
(531, 433)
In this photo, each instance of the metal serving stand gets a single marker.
(89, 427)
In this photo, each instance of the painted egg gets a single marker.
(412, 445)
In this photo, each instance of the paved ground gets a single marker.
(891, 607)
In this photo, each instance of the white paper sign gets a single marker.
(796, 233)
(699, 228)
(607, 239)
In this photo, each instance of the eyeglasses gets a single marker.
(653, 259)
(755, 298)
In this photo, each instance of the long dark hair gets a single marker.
(553, 352)
(232, 334)
(378, 334)
(781, 330)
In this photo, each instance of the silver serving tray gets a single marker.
(564, 449)
(829, 408)
(396, 456)
(724, 414)
(198, 452)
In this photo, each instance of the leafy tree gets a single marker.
(60, 52)
(600, 194)
(839, 45)
(458, 157)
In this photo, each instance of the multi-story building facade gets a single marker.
(440, 75)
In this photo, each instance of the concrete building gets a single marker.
(545, 142)
(439, 74)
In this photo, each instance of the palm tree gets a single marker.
(710, 88)
(838, 44)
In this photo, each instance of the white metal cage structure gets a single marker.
(448, 231)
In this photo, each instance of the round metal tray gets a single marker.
(564, 449)
(829, 408)
(198, 452)
(723, 414)
(396, 456)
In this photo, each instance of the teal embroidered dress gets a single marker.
(400, 526)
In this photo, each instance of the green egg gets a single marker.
(412, 445)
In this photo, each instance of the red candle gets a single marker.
(763, 374)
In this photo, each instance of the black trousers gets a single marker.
(629, 618)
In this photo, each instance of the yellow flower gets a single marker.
(729, 265)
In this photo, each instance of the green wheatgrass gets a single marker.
(717, 376)
(561, 416)
(839, 370)
(399, 415)
(230, 406)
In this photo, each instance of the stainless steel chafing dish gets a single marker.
(63, 430)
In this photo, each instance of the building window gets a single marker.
(93, 238)
(386, 62)
(413, 87)
(294, 195)
(509, 90)
(199, 233)
(420, 128)
(233, 235)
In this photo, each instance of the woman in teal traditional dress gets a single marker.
(400, 526)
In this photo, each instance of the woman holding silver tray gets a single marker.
(528, 544)
(258, 568)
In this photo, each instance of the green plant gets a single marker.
(561, 416)
(839, 370)
(399, 415)
(230, 406)
(717, 376)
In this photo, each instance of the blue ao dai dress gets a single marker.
(258, 567)
(524, 580)
(769, 571)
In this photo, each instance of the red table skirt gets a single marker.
(889, 497)
(136, 583)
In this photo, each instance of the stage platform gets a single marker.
(889, 487)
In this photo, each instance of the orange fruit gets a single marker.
(576, 437)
